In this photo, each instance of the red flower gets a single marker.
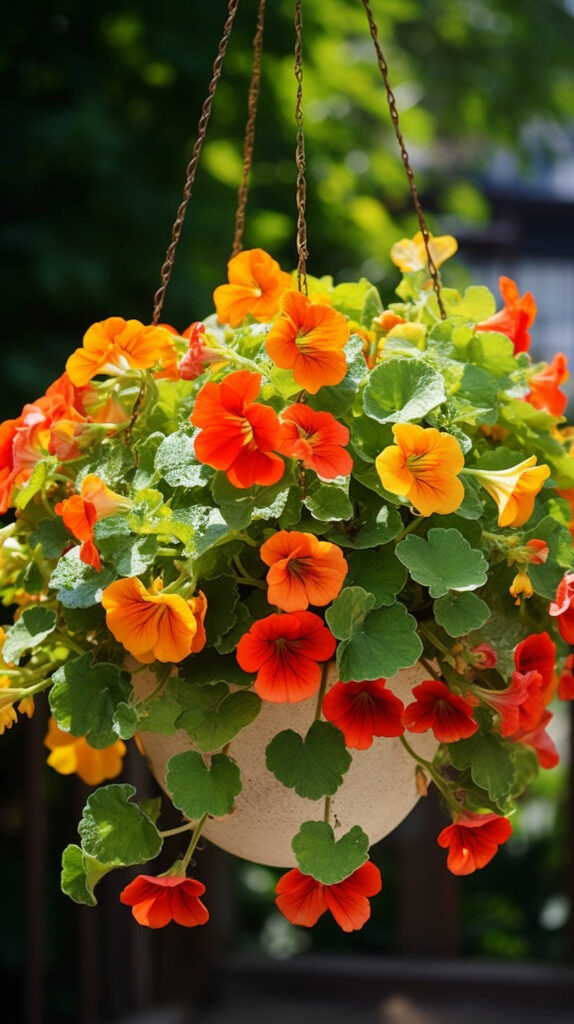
(544, 386)
(317, 439)
(362, 711)
(538, 654)
(435, 707)
(515, 318)
(483, 656)
(473, 840)
(566, 679)
(563, 607)
(157, 901)
(520, 704)
(542, 744)
(286, 651)
(303, 900)
(239, 435)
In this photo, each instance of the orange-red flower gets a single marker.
(82, 511)
(545, 386)
(566, 679)
(256, 284)
(303, 570)
(157, 901)
(514, 489)
(238, 435)
(562, 607)
(317, 439)
(517, 315)
(537, 653)
(473, 840)
(423, 465)
(541, 742)
(308, 338)
(364, 710)
(520, 704)
(71, 754)
(303, 900)
(435, 707)
(151, 625)
(115, 345)
(286, 651)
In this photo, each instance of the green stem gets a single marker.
(413, 525)
(251, 582)
(322, 688)
(424, 628)
(193, 843)
(435, 776)
(177, 831)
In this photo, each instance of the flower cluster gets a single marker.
(291, 504)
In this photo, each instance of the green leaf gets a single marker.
(78, 585)
(328, 502)
(460, 612)
(380, 573)
(443, 561)
(211, 715)
(197, 789)
(208, 527)
(348, 611)
(84, 697)
(125, 721)
(222, 597)
(159, 714)
(129, 555)
(51, 535)
(328, 861)
(35, 483)
(490, 762)
(370, 437)
(175, 461)
(209, 667)
(494, 353)
(546, 576)
(31, 629)
(227, 643)
(386, 642)
(401, 390)
(314, 766)
(80, 875)
(377, 528)
(116, 831)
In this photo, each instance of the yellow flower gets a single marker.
(151, 625)
(513, 489)
(72, 754)
(521, 586)
(423, 465)
(410, 253)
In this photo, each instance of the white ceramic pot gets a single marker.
(377, 793)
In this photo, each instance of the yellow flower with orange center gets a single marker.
(71, 754)
(514, 489)
(115, 345)
(423, 466)
(151, 625)
(410, 253)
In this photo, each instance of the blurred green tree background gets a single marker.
(99, 109)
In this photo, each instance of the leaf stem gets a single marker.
(322, 688)
(193, 842)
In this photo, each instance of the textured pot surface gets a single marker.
(377, 793)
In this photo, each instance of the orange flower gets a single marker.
(410, 253)
(566, 679)
(157, 901)
(115, 345)
(81, 512)
(304, 570)
(73, 754)
(544, 386)
(423, 465)
(317, 439)
(513, 489)
(285, 651)
(515, 318)
(362, 711)
(151, 625)
(238, 434)
(435, 707)
(309, 338)
(256, 284)
(303, 900)
(473, 840)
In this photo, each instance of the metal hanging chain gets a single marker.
(249, 137)
(192, 165)
(301, 192)
(384, 69)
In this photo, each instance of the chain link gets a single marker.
(249, 138)
(301, 192)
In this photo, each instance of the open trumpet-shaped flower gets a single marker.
(423, 465)
(473, 840)
(435, 707)
(82, 511)
(303, 570)
(255, 286)
(308, 338)
(115, 345)
(286, 651)
(516, 316)
(157, 901)
(364, 710)
(151, 625)
(238, 434)
(514, 489)
(545, 384)
(317, 439)
(303, 900)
